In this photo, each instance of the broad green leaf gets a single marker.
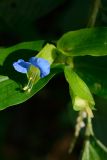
(94, 150)
(80, 93)
(91, 41)
(34, 45)
(11, 92)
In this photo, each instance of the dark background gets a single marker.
(42, 127)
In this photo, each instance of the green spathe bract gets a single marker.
(80, 93)
(48, 52)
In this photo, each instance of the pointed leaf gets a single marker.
(91, 41)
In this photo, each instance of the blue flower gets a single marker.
(42, 64)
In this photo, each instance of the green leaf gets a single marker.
(34, 45)
(11, 92)
(91, 41)
(94, 150)
(80, 93)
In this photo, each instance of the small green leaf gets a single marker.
(79, 91)
(94, 150)
(91, 41)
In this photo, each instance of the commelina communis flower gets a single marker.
(40, 63)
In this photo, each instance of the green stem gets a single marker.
(94, 13)
(89, 129)
(72, 145)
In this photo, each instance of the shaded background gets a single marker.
(42, 127)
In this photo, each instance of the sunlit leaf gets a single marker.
(91, 41)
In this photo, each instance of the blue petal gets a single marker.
(42, 64)
(21, 66)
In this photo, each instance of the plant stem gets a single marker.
(94, 12)
(79, 125)
(89, 129)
